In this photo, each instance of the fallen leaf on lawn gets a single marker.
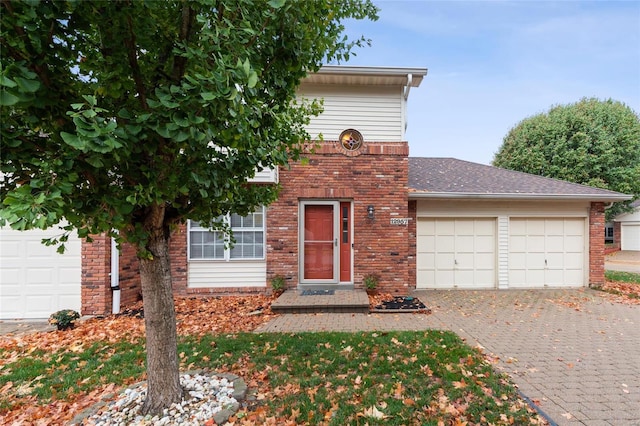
(459, 385)
(373, 412)
(347, 350)
(409, 402)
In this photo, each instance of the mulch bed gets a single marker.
(394, 304)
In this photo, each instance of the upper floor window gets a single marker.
(248, 233)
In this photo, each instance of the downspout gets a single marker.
(115, 277)
(407, 89)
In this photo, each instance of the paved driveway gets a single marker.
(574, 352)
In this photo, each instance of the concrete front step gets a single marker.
(341, 301)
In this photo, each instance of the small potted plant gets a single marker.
(64, 319)
(370, 283)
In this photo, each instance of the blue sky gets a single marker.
(493, 63)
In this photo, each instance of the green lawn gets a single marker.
(313, 378)
(625, 277)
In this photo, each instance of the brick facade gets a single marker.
(96, 276)
(596, 244)
(376, 175)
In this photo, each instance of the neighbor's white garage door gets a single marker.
(456, 253)
(630, 239)
(35, 280)
(546, 252)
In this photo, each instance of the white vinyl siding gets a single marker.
(35, 280)
(240, 273)
(376, 112)
(546, 252)
(456, 253)
(269, 175)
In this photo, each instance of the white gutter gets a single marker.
(516, 196)
(115, 277)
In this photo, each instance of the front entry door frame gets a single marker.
(342, 254)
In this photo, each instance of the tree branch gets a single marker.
(132, 54)
(180, 62)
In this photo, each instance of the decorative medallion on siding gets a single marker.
(351, 140)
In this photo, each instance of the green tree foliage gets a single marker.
(138, 115)
(591, 142)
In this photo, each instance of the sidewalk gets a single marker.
(624, 261)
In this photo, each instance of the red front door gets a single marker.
(326, 242)
(318, 242)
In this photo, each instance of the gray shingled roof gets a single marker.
(453, 177)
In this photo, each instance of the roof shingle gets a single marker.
(453, 176)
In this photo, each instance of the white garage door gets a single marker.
(630, 239)
(456, 253)
(546, 252)
(35, 280)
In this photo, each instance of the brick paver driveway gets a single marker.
(574, 352)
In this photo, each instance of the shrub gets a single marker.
(64, 319)
(277, 284)
(370, 282)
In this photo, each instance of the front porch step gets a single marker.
(341, 301)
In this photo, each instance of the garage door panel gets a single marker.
(445, 227)
(630, 236)
(444, 278)
(517, 244)
(554, 277)
(464, 244)
(573, 277)
(574, 244)
(534, 227)
(464, 227)
(465, 261)
(517, 278)
(555, 252)
(534, 260)
(462, 248)
(573, 261)
(574, 227)
(426, 243)
(465, 279)
(555, 243)
(445, 261)
(426, 260)
(485, 244)
(535, 244)
(485, 228)
(445, 244)
(518, 227)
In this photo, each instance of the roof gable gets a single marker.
(450, 177)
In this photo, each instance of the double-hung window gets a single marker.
(248, 233)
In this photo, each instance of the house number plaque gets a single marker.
(400, 221)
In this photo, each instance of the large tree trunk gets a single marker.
(163, 375)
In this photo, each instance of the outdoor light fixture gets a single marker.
(371, 212)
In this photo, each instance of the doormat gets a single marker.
(318, 292)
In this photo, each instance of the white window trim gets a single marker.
(227, 250)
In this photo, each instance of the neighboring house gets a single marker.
(629, 231)
(35, 280)
(361, 206)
